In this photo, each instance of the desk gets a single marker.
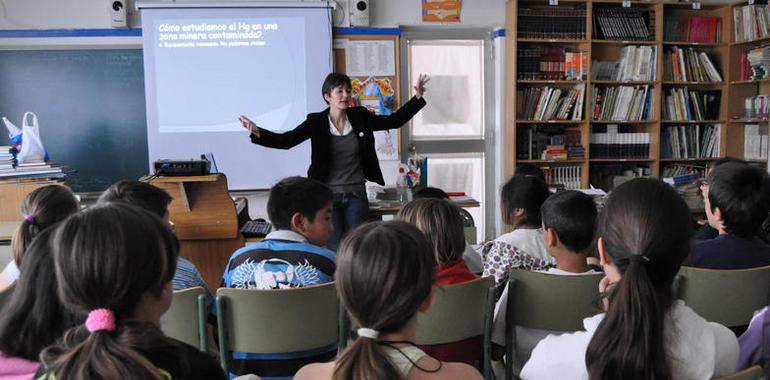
(6, 230)
(379, 209)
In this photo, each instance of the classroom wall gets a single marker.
(85, 14)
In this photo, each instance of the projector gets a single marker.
(181, 167)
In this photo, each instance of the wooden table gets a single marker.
(379, 209)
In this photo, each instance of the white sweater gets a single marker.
(697, 349)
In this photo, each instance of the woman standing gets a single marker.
(343, 155)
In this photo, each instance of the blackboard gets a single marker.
(91, 109)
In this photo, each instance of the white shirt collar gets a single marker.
(345, 131)
(286, 235)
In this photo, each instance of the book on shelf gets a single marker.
(549, 22)
(534, 142)
(622, 103)
(567, 177)
(755, 141)
(620, 145)
(750, 22)
(691, 141)
(550, 63)
(550, 103)
(679, 174)
(756, 107)
(607, 175)
(611, 23)
(636, 63)
(683, 104)
(755, 64)
(688, 65)
(704, 29)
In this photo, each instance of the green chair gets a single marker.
(276, 321)
(460, 312)
(5, 295)
(5, 255)
(727, 297)
(751, 373)
(547, 302)
(185, 320)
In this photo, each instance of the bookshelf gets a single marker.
(656, 118)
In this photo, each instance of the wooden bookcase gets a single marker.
(724, 54)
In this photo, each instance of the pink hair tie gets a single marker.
(29, 219)
(100, 319)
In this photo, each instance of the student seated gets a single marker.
(569, 224)
(470, 256)
(42, 208)
(114, 265)
(643, 238)
(156, 201)
(385, 277)
(737, 200)
(291, 256)
(755, 343)
(442, 224)
(523, 247)
(32, 317)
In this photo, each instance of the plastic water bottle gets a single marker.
(402, 190)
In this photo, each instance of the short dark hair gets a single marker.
(572, 215)
(296, 194)
(527, 192)
(140, 194)
(430, 192)
(332, 81)
(741, 192)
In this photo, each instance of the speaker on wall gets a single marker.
(359, 12)
(341, 14)
(118, 14)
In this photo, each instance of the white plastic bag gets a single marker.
(31, 145)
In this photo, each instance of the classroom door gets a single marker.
(452, 129)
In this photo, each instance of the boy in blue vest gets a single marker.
(291, 256)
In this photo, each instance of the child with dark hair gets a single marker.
(156, 201)
(33, 317)
(645, 333)
(291, 256)
(114, 264)
(569, 224)
(42, 208)
(343, 154)
(384, 278)
(737, 200)
(523, 247)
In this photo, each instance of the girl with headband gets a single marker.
(384, 276)
(114, 265)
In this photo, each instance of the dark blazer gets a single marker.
(316, 128)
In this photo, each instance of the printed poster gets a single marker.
(377, 96)
(441, 10)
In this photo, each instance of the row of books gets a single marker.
(620, 145)
(693, 28)
(755, 64)
(551, 63)
(636, 63)
(623, 24)
(622, 103)
(756, 107)
(533, 142)
(607, 175)
(567, 177)
(552, 23)
(679, 174)
(755, 142)
(550, 103)
(751, 22)
(687, 65)
(691, 141)
(683, 104)
(12, 172)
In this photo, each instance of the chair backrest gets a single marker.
(5, 295)
(277, 321)
(751, 373)
(728, 297)
(457, 313)
(182, 320)
(5, 255)
(551, 302)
